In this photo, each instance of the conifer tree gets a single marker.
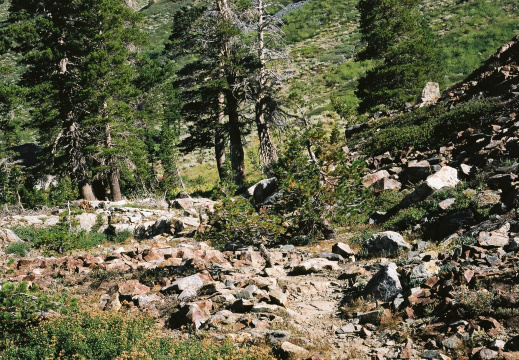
(80, 58)
(396, 35)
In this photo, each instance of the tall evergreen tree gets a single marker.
(394, 33)
(80, 57)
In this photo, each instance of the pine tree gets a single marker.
(80, 60)
(395, 34)
(208, 35)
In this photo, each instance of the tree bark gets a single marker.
(86, 190)
(219, 138)
(235, 141)
(115, 188)
(267, 146)
(113, 177)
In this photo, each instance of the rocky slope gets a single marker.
(447, 288)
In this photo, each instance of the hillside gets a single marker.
(394, 235)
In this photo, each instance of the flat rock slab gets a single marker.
(315, 266)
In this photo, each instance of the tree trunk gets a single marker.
(235, 142)
(219, 138)
(86, 190)
(113, 178)
(115, 188)
(267, 147)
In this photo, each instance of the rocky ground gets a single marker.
(447, 287)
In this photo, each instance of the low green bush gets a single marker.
(428, 127)
(92, 335)
(18, 248)
(20, 308)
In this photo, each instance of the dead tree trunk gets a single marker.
(267, 146)
(113, 177)
(235, 141)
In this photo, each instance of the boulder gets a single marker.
(386, 243)
(445, 177)
(192, 314)
(430, 93)
(315, 265)
(493, 239)
(289, 350)
(386, 184)
(370, 179)
(424, 271)
(7, 237)
(264, 189)
(385, 284)
(342, 249)
(416, 171)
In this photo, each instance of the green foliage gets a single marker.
(396, 33)
(101, 336)
(428, 127)
(18, 248)
(20, 307)
(236, 220)
(62, 237)
(472, 302)
(314, 16)
(309, 195)
(315, 190)
(406, 218)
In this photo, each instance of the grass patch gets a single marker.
(18, 248)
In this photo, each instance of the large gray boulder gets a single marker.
(263, 189)
(384, 285)
(386, 243)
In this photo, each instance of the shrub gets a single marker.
(20, 307)
(18, 248)
(101, 336)
(428, 127)
(311, 192)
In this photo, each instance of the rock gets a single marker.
(430, 93)
(497, 238)
(315, 265)
(370, 317)
(385, 284)
(386, 184)
(194, 314)
(386, 243)
(346, 329)
(342, 249)
(434, 355)
(264, 189)
(468, 170)
(424, 271)
(88, 220)
(501, 181)
(497, 345)
(182, 203)
(487, 198)
(453, 342)
(7, 237)
(331, 256)
(445, 177)
(131, 288)
(276, 336)
(485, 354)
(293, 351)
(193, 282)
(513, 245)
(416, 171)
(370, 179)
(447, 203)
